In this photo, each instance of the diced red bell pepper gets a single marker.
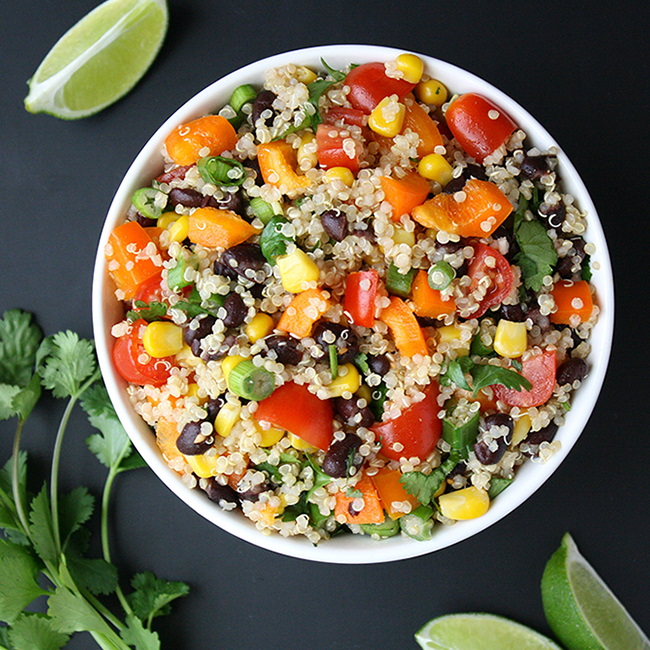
(360, 298)
(333, 150)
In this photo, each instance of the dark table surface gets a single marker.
(579, 68)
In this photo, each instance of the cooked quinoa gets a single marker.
(270, 284)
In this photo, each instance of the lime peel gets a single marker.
(99, 59)
(476, 631)
(581, 609)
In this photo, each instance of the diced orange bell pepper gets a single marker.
(572, 299)
(185, 142)
(127, 262)
(391, 491)
(214, 228)
(166, 437)
(405, 193)
(278, 162)
(407, 333)
(418, 120)
(428, 301)
(371, 513)
(484, 209)
(303, 311)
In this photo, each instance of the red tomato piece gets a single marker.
(369, 84)
(294, 408)
(500, 274)
(478, 124)
(330, 141)
(127, 352)
(150, 290)
(348, 115)
(540, 372)
(417, 429)
(360, 297)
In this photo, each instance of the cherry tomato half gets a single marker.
(330, 148)
(127, 352)
(478, 124)
(369, 84)
(150, 290)
(417, 429)
(499, 272)
(540, 372)
(348, 115)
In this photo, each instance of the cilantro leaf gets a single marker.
(8, 516)
(586, 273)
(537, 256)
(7, 394)
(75, 508)
(25, 400)
(96, 575)
(152, 596)
(41, 529)
(424, 486)
(18, 586)
(320, 478)
(455, 373)
(137, 635)
(64, 362)
(71, 612)
(19, 341)
(498, 485)
(487, 375)
(35, 631)
(148, 311)
(272, 470)
(318, 87)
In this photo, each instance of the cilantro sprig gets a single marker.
(483, 375)
(44, 538)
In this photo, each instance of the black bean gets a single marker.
(475, 171)
(365, 233)
(145, 222)
(534, 167)
(427, 321)
(514, 313)
(222, 351)
(263, 101)
(340, 455)
(459, 468)
(221, 494)
(345, 340)
(543, 322)
(574, 258)
(186, 442)
(379, 364)
(231, 201)
(484, 454)
(186, 197)
(213, 406)
(448, 248)
(255, 166)
(236, 310)
(573, 369)
(349, 412)
(513, 246)
(197, 330)
(455, 185)
(335, 224)
(253, 493)
(552, 216)
(285, 348)
(244, 259)
(225, 270)
(543, 435)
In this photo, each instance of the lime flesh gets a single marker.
(99, 59)
(580, 607)
(480, 632)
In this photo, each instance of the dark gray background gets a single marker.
(577, 68)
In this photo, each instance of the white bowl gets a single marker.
(349, 549)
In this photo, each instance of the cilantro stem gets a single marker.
(18, 497)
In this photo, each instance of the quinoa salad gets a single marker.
(355, 300)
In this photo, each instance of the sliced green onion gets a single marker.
(463, 435)
(149, 202)
(498, 485)
(399, 283)
(418, 524)
(388, 528)
(440, 275)
(250, 382)
(176, 275)
(221, 171)
(334, 361)
(262, 209)
(242, 95)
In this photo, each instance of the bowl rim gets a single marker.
(350, 549)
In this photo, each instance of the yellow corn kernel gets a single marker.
(342, 174)
(166, 219)
(305, 75)
(203, 466)
(441, 490)
(431, 92)
(269, 436)
(411, 66)
(228, 363)
(364, 392)
(448, 333)
(401, 236)
(521, 429)
(227, 418)
(268, 514)
(193, 391)
(299, 443)
(260, 326)
(510, 339)
(306, 154)
(348, 381)
(468, 503)
(435, 168)
(295, 269)
(180, 228)
(387, 118)
(186, 358)
(162, 339)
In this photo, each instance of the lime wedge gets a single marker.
(99, 59)
(580, 607)
(480, 632)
